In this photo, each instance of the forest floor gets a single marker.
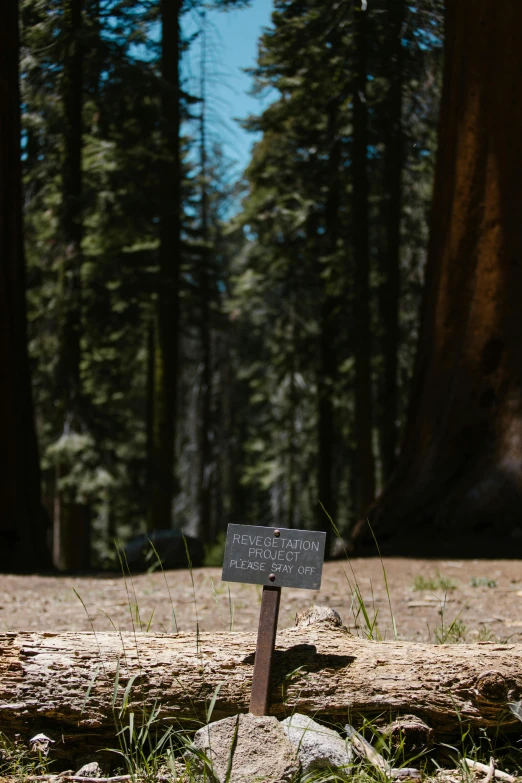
(432, 600)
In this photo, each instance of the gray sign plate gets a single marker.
(295, 557)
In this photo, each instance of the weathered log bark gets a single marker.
(64, 684)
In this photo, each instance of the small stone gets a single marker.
(262, 751)
(318, 614)
(318, 748)
(91, 770)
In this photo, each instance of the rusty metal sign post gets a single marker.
(275, 559)
(266, 637)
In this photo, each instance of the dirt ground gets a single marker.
(448, 600)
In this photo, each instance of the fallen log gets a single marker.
(77, 687)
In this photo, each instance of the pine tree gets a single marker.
(363, 384)
(231, 345)
(23, 544)
(165, 394)
(205, 450)
(95, 367)
(390, 282)
(71, 521)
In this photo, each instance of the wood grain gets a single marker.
(318, 670)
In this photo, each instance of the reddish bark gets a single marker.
(458, 483)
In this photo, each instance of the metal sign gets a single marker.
(274, 557)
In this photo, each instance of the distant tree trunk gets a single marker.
(71, 519)
(22, 518)
(205, 413)
(167, 306)
(390, 283)
(458, 485)
(149, 409)
(71, 210)
(328, 333)
(363, 385)
(96, 41)
(291, 508)
(229, 492)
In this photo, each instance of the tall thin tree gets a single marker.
(71, 524)
(205, 448)
(166, 340)
(328, 326)
(390, 271)
(22, 522)
(363, 384)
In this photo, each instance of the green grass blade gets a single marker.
(158, 558)
(385, 580)
(213, 702)
(126, 694)
(116, 683)
(91, 683)
(232, 751)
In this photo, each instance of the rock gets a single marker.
(262, 751)
(318, 614)
(91, 770)
(318, 748)
(170, 547)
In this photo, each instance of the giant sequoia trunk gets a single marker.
(72, 686)
(22, 527)
(458, 484)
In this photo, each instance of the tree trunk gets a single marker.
(328, 334)
(292, 509)
(64, 684)
(206, 533)
(149, 412)
(71, 550)
(22, 518)
(390, 283)
(363, 385)
(458, 484)
(229, 491)
(71, 208)
(167, 306)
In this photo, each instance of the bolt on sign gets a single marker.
(274, 558)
